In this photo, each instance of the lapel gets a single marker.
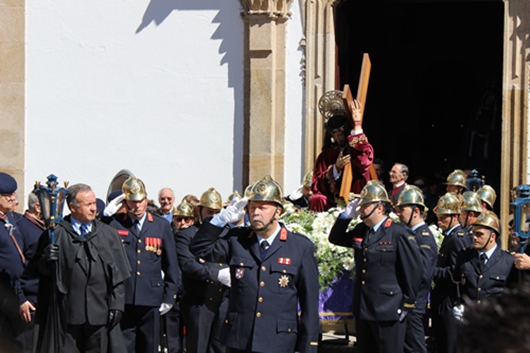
(475, 261)
(148, 222)
(253, 246)
(493, 259)
(380, 233)
(275, 246)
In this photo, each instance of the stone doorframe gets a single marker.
(319, 48)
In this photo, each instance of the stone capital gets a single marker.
(268, 8)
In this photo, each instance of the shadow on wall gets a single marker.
(230, 33)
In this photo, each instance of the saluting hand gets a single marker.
(342, 161)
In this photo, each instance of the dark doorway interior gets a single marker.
(434, 99)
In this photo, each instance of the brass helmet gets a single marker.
(234, 195)
(183, 209)
(487, 194)
(448, 204)
(488, 219)
(211, 199)
(471, 202)
(411, 195)
(266, 190)
(308, 179)
(373, 191)
(134, 189)
(457, 178)
(247, 190)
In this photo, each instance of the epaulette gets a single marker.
(460, 234)
(388, 222)
(426, 246)
(425, 233)
(149, 217)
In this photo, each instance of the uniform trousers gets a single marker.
(380, 336)
(86, 339)
(415, 333)
(203, 320)
(140, 326)
(173, 330)
(445, 327)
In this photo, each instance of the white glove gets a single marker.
(164, 308)
(114, 206)
(458, 312)
(351, 209)
(224, 276)
(234, 211)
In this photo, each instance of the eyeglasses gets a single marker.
(180, 219)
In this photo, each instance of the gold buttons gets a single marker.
(211, 298)
(139, 240)
(479, 289)
(258, 314)
(139, 251)
(260, 299)
(289, 329)
(391, 293)
(284, 271)
(497, 277)
(263, 268)
(364, 270)
(221, 265)
(138, 273)
(364, 259)
(241, 264)
(478, 301)
(384, 249)
(139, 262)
(480, 276)
(262, 284)
(226, 321)
(220, 289)
(363, 282)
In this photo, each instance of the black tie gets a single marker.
(264, 246)
(482, 262)
(370, 233)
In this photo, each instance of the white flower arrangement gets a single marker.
(332, 260)
(437, 233)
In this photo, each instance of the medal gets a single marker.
(158, 243)
(283, 281)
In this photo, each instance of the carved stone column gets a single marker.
(319, 56)
(12, 78)
(264, 88)
(515, 129)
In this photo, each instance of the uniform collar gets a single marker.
(271, 238)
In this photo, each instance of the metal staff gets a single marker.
(51, 200)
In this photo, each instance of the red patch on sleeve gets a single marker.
(358, 240)
(123, 233)
(283, 234)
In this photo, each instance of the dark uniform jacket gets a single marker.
(30, 230)
(490, 282)
(199, 277)
(264, 294)
(451, 245)
(388, 268)
(429, 255)
(150, 251)
(89, 281)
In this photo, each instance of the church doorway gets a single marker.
(434, 98)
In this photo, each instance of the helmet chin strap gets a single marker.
(489, 238)
(411, 215)
(372, 211)
(267, 224)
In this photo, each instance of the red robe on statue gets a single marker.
(325, 187)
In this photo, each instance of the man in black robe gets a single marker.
(87, 266)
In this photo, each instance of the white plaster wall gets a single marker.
(154, 86)
(294, 124)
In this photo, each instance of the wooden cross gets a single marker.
(362, 91)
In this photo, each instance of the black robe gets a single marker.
(103, 244)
